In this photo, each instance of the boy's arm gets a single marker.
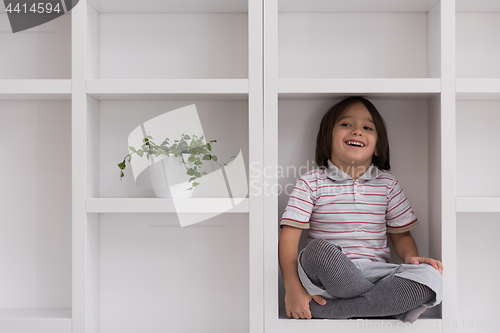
(288, 256)
(405, 247)
(296, 297)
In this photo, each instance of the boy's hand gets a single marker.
(297, 303)
(423, 260)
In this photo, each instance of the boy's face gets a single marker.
(356, 124)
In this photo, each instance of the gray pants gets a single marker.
(349, 293)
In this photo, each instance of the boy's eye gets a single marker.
(368, 128)
(344, 124)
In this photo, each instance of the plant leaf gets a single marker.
(192, 158)
(131, 148)
(214, 158)
(196, 184)
(159, 152)
(191, 179)
(206, 157)
(209, 146)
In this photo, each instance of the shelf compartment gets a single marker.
(112, 121)
(223, 89)
(414, 135)
(332, 39)
(198, 42)
(154, 6)
(478, 205)
(35, 89)
(159, 205)
(42, 52)
(477, 46)
(476, 233)
(425, 323)
(390, 88)
(477, 160)
(35, 233)
(35, 320)
(369, 6)
(150, 276)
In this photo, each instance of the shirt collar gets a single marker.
(333, 172)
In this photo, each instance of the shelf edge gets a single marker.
(160, 205)
(172, 86)
(478, 205)
(35, 89)
(295, 86)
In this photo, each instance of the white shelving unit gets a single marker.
(35, 208)
(84, 252)
(478, 197)
(400, 55)
(132, 62)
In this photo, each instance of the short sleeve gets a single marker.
(399, 216)
(300, 205)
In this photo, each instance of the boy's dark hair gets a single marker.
(324, 140)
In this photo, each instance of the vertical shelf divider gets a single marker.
(85, 278)
(271, 265)
(256, 163)
(448, 162)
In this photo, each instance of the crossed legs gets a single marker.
(356, 296)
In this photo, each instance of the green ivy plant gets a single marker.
(196, 148)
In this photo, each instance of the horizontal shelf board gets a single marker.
(161, 205)
(478, 205)
(207, 89)
(35, 320)
(356, 6)
(35, 89)
(30, 325)
(478, 89)
(477, 6)
(35, 314)
(358, 325)
(170, 97)
(416, 88)
(178, 6)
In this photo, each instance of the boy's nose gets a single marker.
(357, 131)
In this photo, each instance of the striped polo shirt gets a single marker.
(355, 214)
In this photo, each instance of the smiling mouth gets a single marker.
(355, 144)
